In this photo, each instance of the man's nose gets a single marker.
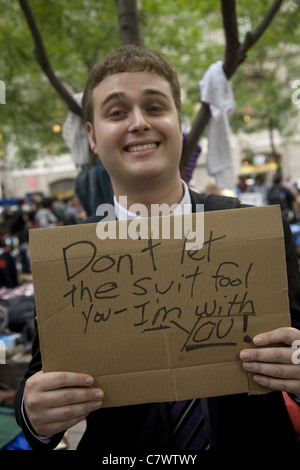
(138, 121)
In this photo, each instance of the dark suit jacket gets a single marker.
(233, 421)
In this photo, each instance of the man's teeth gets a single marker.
(139, 148)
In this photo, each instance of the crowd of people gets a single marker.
(39, 211)
(282, 191)
(17, 220)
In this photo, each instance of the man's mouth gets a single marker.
(140, 148)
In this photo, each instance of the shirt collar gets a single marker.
(184, 206)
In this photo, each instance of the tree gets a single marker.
(181, 36)
(235, 54)
(265, 97)
(33, 106)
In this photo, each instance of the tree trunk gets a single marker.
(274, 152)
(129, 22)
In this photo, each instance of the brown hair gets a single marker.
(129, 58)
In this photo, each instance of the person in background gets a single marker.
(44, 216)
(279, 194)
(260, 187)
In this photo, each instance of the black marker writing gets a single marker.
(205, 300)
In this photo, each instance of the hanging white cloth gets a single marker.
(75, 135)
(216, 91)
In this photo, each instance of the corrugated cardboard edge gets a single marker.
(174, 384)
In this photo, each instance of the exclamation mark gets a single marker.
(247, 338)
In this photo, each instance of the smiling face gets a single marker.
(136, 130)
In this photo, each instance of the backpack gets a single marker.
(277, 195)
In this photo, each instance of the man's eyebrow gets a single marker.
(151, 91)
(111, 97)
(121, 96)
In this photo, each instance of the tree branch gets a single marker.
(231, 36)
(235, 54)
(129, 22)
(193, 136)
(42, 58)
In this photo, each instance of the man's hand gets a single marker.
(56, 401)
(275, 367)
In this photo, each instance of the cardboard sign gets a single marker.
(151, 320)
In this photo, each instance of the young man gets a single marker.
(132, 108)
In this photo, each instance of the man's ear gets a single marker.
(92, 140)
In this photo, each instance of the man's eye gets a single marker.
(117, 113)
(154, 109)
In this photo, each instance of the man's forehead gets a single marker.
(124, 84)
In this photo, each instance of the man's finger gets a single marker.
(280, 371)
(56, 380)
(280, 355)
(283, 385)
(70, 396)
(285, 335)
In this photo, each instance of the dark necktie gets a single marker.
(188, 425)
